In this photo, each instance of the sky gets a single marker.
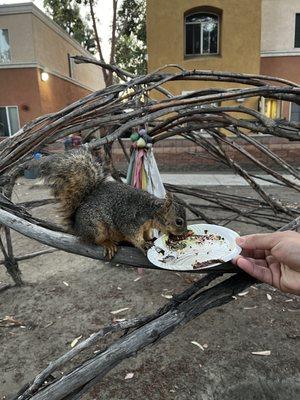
(103, 12)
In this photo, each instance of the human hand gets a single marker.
(272, 258)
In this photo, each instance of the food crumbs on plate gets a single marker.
(199, 264)
(180, 242)
(168, 258)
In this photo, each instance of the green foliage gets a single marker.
(131, 46)
(66, 14)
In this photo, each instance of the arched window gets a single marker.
(201, 33)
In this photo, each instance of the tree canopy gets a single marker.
(131, 33)
(66, 13)
(128, 31)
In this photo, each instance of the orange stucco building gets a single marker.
(37, 75)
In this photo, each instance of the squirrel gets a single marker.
(103, 211)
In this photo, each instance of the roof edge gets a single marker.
(30, 8)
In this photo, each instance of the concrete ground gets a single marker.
(68, 296)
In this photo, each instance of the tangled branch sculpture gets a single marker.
(114, 111)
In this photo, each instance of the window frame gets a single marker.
(10, 60)
(71, 66)
(202, 11)
(297, 38)
(8, 120)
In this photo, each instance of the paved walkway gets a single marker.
(214, 179)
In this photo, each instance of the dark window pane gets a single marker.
(3, 122)
(4, 47)
(202, 32)
(205, 38)
(295, 113)
(197, 39)
(214, 40)
(297, 31)
(210, 34)
(189, 39)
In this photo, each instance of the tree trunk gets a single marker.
(106, 74)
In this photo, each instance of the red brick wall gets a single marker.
(178, 154)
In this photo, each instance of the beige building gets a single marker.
(37, 75)
(196, 34)
(250, 36)
(280, 48)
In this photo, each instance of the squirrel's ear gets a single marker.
(168, 201)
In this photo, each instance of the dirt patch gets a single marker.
(67, 296)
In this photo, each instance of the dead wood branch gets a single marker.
(146, 330)
(215, 129)
(186, 307)
(126, 255)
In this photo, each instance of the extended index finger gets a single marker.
(260, 241)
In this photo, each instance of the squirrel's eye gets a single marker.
(179, 222)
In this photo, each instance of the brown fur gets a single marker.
(71, 177)
(100, 210)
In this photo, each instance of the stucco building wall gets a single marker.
(239, 39)
(19, 87)
(240, 35)
(20, 37)
(25, 89)
(57, 93)
(38, 44)
(279, 57)
(52, 49)
(278, 26)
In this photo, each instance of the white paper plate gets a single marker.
(222, 249)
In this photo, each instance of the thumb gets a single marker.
(265, 241)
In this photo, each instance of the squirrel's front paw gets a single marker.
(110, 249)
(146, 247)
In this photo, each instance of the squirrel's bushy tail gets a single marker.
(71, 176)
